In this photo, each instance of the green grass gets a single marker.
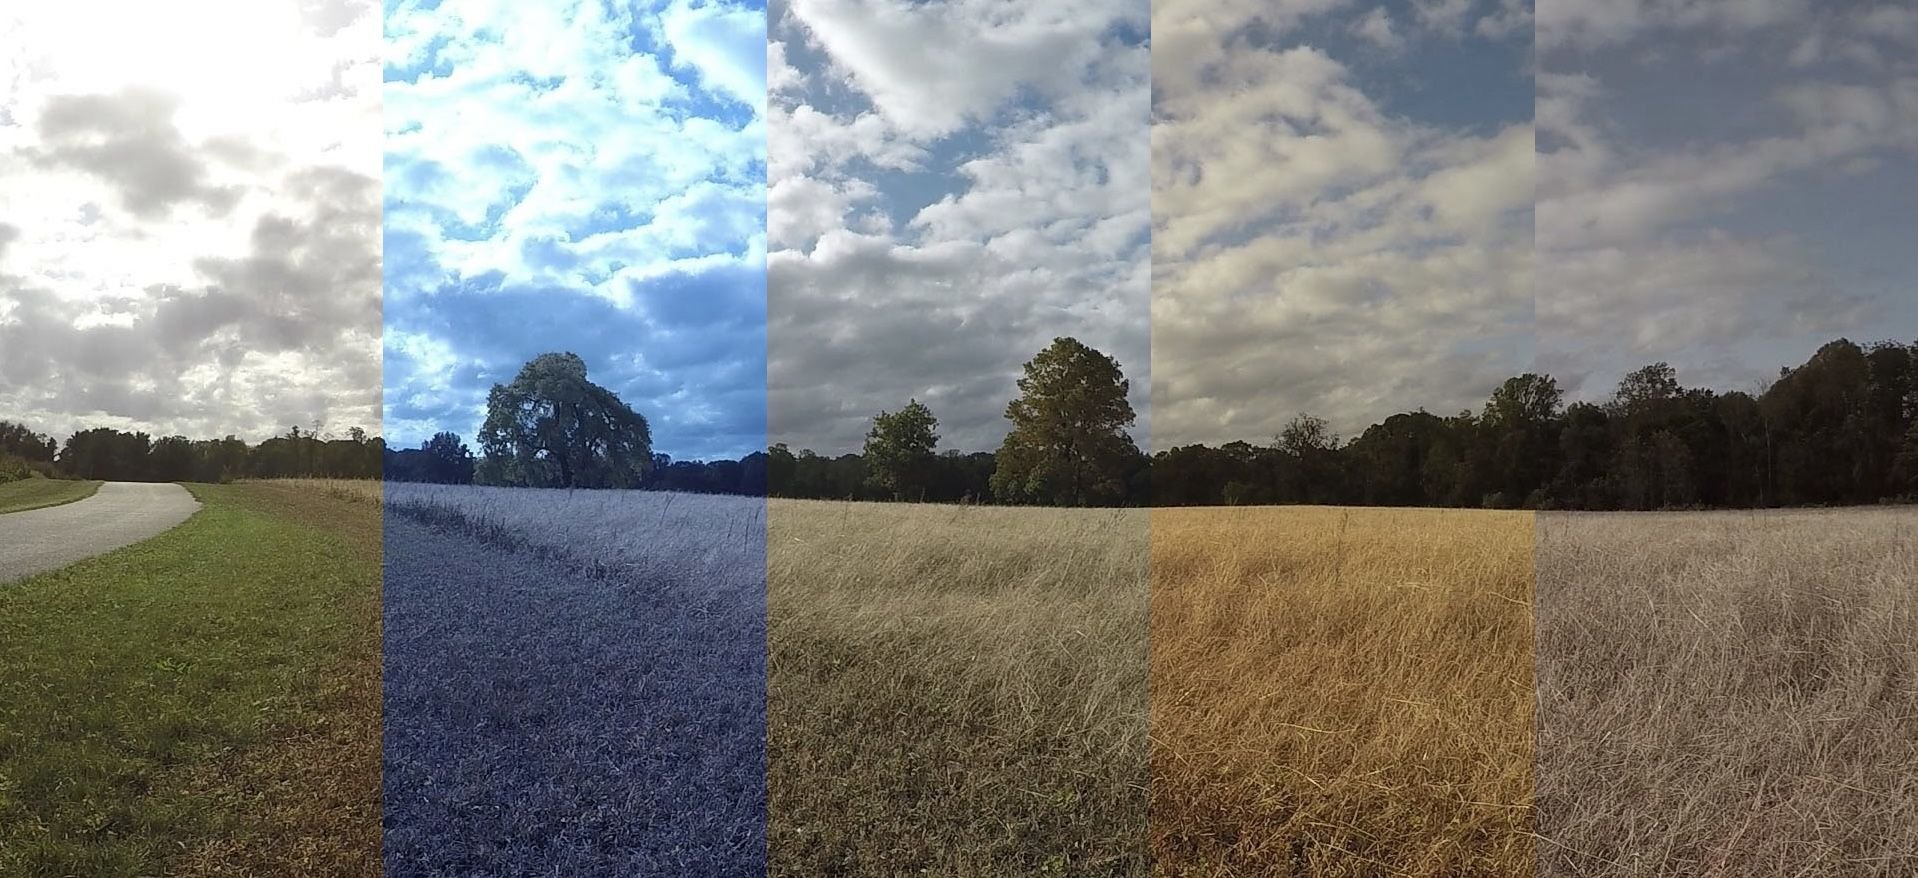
(206, 702)
(28, 494)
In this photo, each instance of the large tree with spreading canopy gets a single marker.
(552, 428)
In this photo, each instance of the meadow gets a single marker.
(1341, 692)
(1728, 694)
(202, 703)
(956, 690)
(574, 682)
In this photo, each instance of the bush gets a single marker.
(14, 469)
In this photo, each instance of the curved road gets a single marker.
(121, 514)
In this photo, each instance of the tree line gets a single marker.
(446, 459)
(1838, 429)
(117, 455)
(1842, 428)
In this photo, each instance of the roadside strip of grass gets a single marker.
(205, 702)
(28, 494)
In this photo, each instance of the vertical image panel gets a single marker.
(575, 413)
(189, 383)
(1344, 419)
(957, 376)
(1725, 615)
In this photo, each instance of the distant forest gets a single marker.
(1842, 428)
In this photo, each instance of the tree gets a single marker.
(17, 440)
(448, 460)
(781, 469)
(900, 452)
(1306, 434)
(553, 428)
(1068, 443)
(1520, 422)
(1652, 384)
(1906, 468)
(170, 459)
(1309, 463)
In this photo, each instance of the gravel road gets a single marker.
(121, 514)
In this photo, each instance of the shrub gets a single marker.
(14, 469)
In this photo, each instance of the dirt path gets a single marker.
(121, 514)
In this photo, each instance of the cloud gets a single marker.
(1597, 24)
(573, 176)
(726, 44)
(1723, 224)
(188, 251)
(1376, 27)
(951, 187)
(1315, 252)
(930, 70)
(1596, 191)
(1878, 36)
(129, 141)
(1686, 301)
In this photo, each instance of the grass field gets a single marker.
(203, 703)
(1341, 692)
(956, 691)
(574, 683)
(1728, 694)
(25, 494)
(368, 491)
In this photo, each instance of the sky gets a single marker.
(583, 177)
(1341, 211)
(951, 187)
(1723, 186)
(189, 216)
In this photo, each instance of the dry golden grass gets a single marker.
(352, 490)
(1341, 692)
(956, 691)
(1728, 694)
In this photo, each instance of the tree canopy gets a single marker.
(900, 451)
(1068, 445)
(552, 428)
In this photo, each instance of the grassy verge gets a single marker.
(206, 702)
(28, 494)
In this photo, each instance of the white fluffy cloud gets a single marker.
(581, 177)
(726, 44)
(951, 186)
(1315, 252)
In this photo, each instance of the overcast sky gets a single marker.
(561, 176)
(951, 187)
(189, 216)
(1723, 186)
(1341, 209)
